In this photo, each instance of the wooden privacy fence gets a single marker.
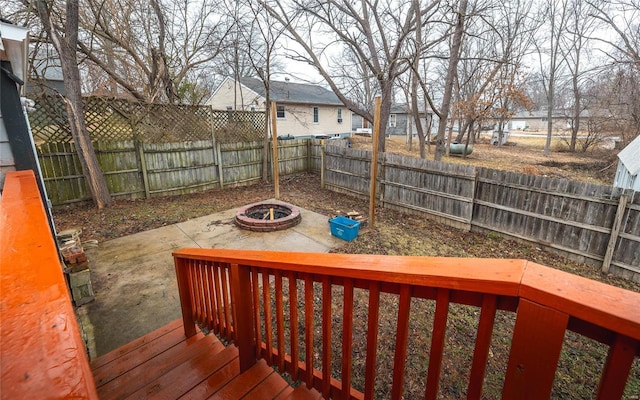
(147, 150)
(141, 170)
(594, 224)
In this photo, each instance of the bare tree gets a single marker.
(622, 17)
(258, 36)
(497, 36)
(556, 13)
(375, 33)
(61, 27)
(151, 49)
(581, 24)
(454, 57)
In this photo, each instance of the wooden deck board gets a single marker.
(136, 344)
(269, 388)
(182, 378)
(130, 360)
(243, 383)
(302, 393)
(166, 365)
(149, 370)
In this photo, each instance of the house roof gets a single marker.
(13, 41)
(401, 108)
(289, 92)
(46, 63)
(630, 156)
(559, 113)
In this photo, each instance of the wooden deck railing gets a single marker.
(283, 307)
(43, 355)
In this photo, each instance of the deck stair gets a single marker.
(165, 365)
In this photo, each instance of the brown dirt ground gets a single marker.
(402, 234)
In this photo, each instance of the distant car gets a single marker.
(286, 137)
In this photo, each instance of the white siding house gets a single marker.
(13, 42)
(629, 167)
(302, 109)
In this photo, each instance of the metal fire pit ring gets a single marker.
(256, 217)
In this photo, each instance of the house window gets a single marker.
(392, 120)
(280, 112)
(339, 115)
(316, 115)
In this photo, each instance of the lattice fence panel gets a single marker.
(105, 120)
(49, 121)
(165, 123)
(238, 126)
(110, 119)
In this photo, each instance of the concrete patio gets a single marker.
(134, 280)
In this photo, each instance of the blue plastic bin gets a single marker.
(344, 228)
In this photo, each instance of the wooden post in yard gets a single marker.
(322, 164)
(374, 164)
(274, 148)
(615, 231)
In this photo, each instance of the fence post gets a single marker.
(243, 313)
(217, 155)
(322, 164)
(143, 166)
(274, 150)
(220, 167)
(474, 188)
(615, 230)
(309, 159)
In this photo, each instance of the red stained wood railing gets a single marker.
(43, 355)
(262, 285)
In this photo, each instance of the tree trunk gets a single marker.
(265, 147)
(385, 110)
(65, 43)
(454, 57)
(575, 126)
(547, 145)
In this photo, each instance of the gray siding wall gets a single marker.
(7, 162)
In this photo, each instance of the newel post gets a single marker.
(182, 274)
(243, 315)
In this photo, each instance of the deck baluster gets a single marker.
(326, 337)
(372, 339)
(402, 329)
(437, 344)
(483, 342)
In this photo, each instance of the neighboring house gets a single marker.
(303, 110)
(46, 73)
(13, 45)
(400, 121)
(537, 120)
(629, 167)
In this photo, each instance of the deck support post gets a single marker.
(182, 273)
(243, 315)
(535, 350)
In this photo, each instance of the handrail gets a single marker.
(250, 311)
(43, 355)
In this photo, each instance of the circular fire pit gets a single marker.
(267, 216)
